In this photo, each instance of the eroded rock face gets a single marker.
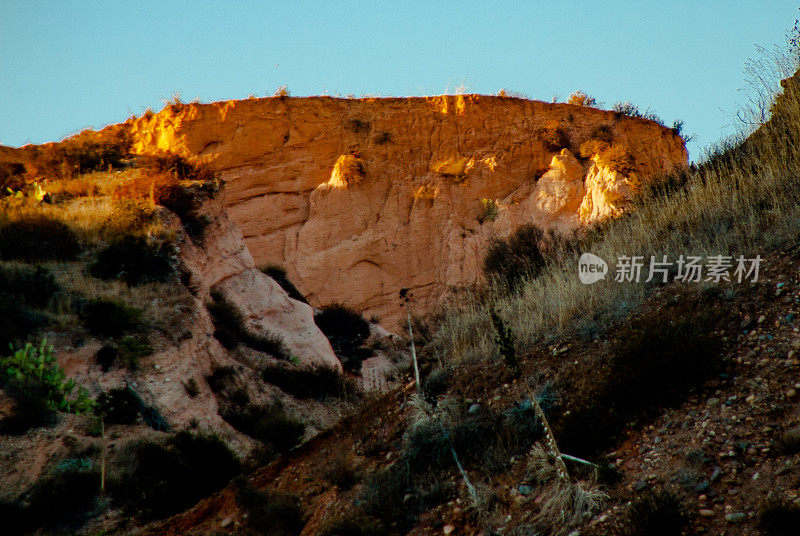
(223, 263)
(359, 198)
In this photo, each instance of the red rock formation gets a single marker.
(359, 198)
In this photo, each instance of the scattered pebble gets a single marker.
(525, 490)
(735, 518)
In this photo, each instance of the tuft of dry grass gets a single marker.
(564, 504)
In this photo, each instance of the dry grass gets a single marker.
(162, 304)
(91, 207)
(744, 199)
(564, 504)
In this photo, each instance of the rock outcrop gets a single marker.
(223, 263)
(359, 198)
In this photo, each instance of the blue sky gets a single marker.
(65, 66)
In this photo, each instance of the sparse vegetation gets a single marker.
(522, 255)
(740, 200)
(658, 513)
(23, 292)
(133, 260)
(342, 472)
(110, 318)
(85, 152)
(554, 136)
(579, 98)
(39, 389)
(353, 524)
(154, 479)
(133, 348)
(346, 330)
(309, 382)
(268, 423)
(231, 330)
(631, 110)
(118, 406)
(37, 237)
(63, 495)
(656, 358)
(277, 514)
(278, 273)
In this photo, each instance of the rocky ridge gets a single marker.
(358, 198)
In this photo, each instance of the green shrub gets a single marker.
(657, 357)
(657, 513)
(39, 388)
(64, 496)
(779, 518)
(110, 318)
(523, 254)
(275, 514)
(192, 388)
(231, 331)
(268, 423)
(106, 356)
(221, 378)
(118, 406)
(30, 407)
(22, 290)
(36, 237)
(489, 212)
(17, 322)
(346, 330)
(135, 261)
(32, 287)
(132, 348)
(278, 273)
(308, 381)
(153, 479)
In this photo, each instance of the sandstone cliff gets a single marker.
(358, 198)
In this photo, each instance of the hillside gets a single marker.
(684, 394)
(143, 251)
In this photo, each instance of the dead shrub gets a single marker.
(579, 98)
(523, 254)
